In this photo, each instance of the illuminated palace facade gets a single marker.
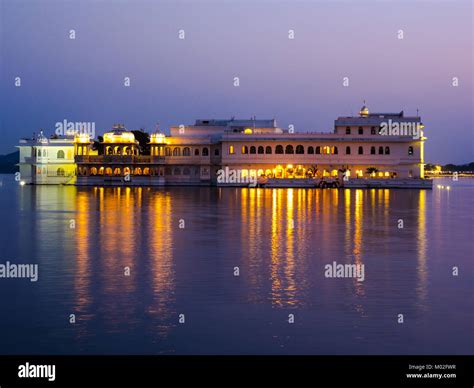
(357, 152)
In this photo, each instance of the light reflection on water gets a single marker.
(279, 238)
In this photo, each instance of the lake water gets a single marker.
(183, 245)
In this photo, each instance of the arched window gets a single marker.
(310, 150)
(176, 152)
(299, 149)
(101, 171)
(361, 131)
(44, 153)
(372, 131)
(335, 150)
(289, 149)
(108, 171)
(60, 172)
(268, 150)
(205, 151)
(326, 150)
(361, 150)
(380, 150)
(260, 150)
(387, 150)
(245, 149)
(410, 150)
(138, 171)
(216, 152)
(231, 150)
(168, 151)
(279, 149)
(60, 154)
(348, 150)
(93, 171)
(196, 152)
(372, 150)
(146, 171)
(186, 151)
(117, 171)
(253, 150)
(318, 150)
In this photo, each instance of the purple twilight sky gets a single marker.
(296, 81)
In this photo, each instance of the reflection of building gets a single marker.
(47, 161)
(357, 149)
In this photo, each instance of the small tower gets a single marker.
(364, 111)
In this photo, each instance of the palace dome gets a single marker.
(119, 135)
(364, 111)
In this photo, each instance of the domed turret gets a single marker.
(120, 142)
(364, 111)
(119, 135)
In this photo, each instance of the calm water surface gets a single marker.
(280, 239)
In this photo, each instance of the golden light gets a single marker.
(248, 131)
(157, 138)
(22, 183)
(82, 138)
(122, 137)
(289, 166)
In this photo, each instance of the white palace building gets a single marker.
(368, 150)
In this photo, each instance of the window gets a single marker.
(253, 150)
(410, 150)
(318, 150)
(146, 171)
(380, 150)
(196, 152)
(60, 172)
(372, 150)
(268, 150)
(326, 150)
(205, 151)
(186, 151)
(348, 150)
(387, 150)
(310, 150)
(60, 154)
(299, 149)
(231, 150)
(44, 152)
(289, 149)
(245, 149)
(361, 131)
(348, 130)
(176, 152)
(361, 150)
(168, 151)
(260, 150)
(216, 152)
(335, 150)
(279, 149)
(93, 171)
(372, 131)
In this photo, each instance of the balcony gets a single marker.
(119, 159)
